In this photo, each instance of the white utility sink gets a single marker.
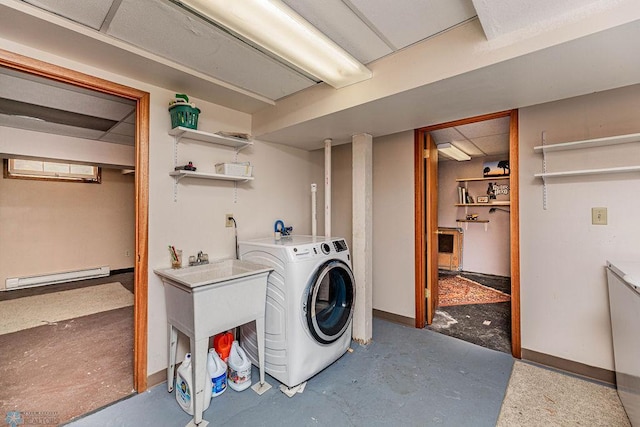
(205, 300)
(214, 272)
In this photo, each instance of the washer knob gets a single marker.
(325, 248)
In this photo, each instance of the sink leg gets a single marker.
(199, 374)
(172, 334)
(260, 339)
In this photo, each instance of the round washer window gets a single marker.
(330, 301)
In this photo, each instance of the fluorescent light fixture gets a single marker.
(276, 27)
(452, 151)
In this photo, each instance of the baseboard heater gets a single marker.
(50, 279)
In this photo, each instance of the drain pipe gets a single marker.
(327, 188)
(314, 214)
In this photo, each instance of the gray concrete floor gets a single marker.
(405, 377)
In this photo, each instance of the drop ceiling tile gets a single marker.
(343, 26)
(469, 147)
(87, 12)
(485, 128)
(45, 93)
(446, 135)
(503, 17)
(46, 127)
(125, 129)
(131, 118)
(168, 31)
(493, 145)
(409, 21)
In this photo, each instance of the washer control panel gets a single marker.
(311, 250)
(340, 245)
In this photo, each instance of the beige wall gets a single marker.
(342, 193)
(49, 227)
(393, 224)
(483, 251)
(565, 308)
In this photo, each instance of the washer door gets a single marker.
(329, 304)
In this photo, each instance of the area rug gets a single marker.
(457, 290)
(29, 312)
(53, 373)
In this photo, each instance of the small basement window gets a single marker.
(51, 171)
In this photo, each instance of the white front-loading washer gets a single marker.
(310, 299)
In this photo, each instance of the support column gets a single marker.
(362, 252)
(327, 188)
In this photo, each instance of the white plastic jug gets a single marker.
(239, 368)
(184, 388)
(217, 370)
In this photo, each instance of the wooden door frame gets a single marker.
(43, 69)
(431, 222)
(514, 220)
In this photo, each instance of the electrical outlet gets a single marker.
(127, 253)
(599, 216)
(229, 220)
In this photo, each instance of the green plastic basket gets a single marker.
(184, 115)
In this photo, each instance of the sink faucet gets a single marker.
(200, 259)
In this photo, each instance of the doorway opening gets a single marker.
(467, 252)
(138, 278)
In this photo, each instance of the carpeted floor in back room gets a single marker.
(66, 349)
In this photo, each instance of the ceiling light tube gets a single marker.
(276, 27)
(452, 151)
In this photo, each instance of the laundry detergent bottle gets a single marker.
(217, 370)
(184, 388)
(222, 343)
(239, 368)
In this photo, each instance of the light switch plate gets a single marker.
(599, 216)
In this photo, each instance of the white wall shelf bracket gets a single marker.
(176, 141)
(544, 170)
(235, 192)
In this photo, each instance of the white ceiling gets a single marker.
(500, 18)
(159, 42)
(368, 29)
(480, 139)
(43, 105)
